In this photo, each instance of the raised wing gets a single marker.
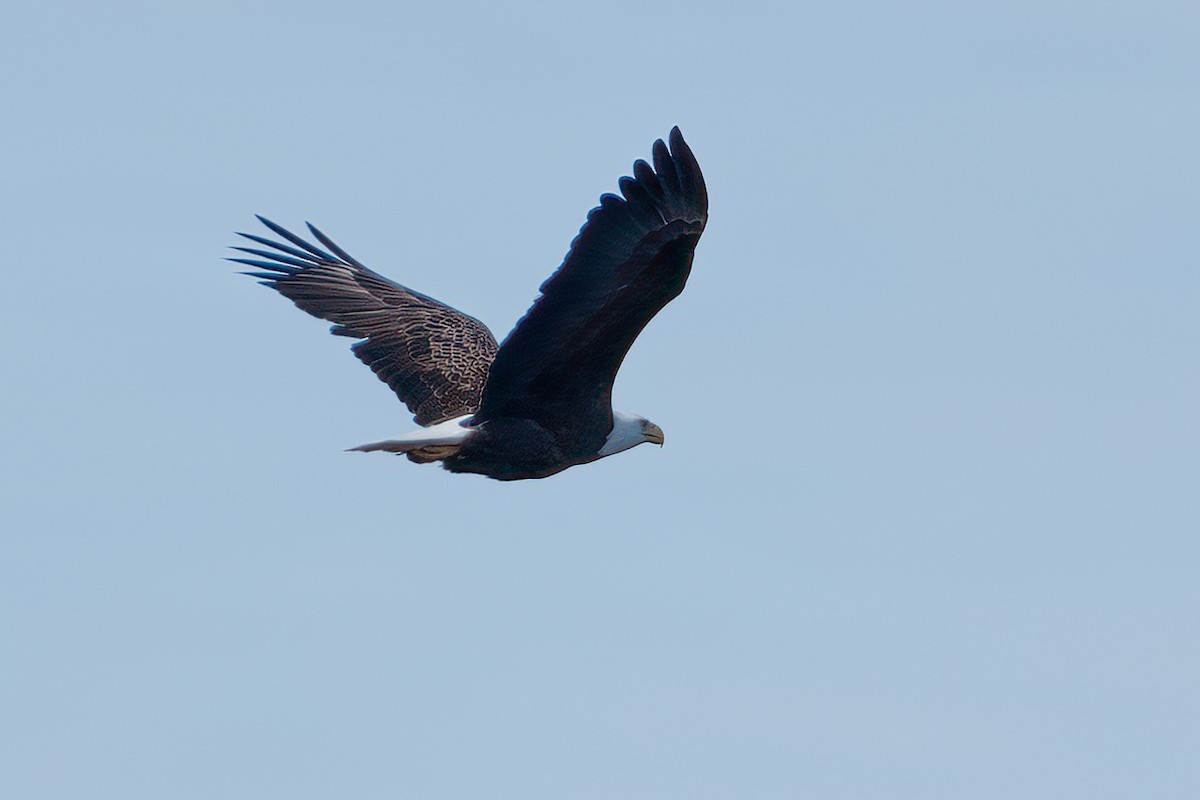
(435, 358)
(629, 260)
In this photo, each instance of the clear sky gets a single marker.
(927, 520)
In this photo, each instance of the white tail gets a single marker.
(441, 440)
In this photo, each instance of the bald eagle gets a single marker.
(541, 401)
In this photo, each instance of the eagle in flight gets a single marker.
(541, 401)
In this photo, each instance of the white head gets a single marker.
(629, 430)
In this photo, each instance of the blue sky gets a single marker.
(925, 524)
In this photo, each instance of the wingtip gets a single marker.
(273, 226)
(688, 174)
(678, 145)
(332, 245)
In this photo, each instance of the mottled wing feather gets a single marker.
(435, 358)
(629, 260)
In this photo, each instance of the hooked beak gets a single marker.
(654, 434)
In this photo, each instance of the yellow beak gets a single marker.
(654, 434)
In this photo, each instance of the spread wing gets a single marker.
(629, 260)
(434, 357)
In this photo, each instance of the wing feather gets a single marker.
(629, 260)
(434, 357)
